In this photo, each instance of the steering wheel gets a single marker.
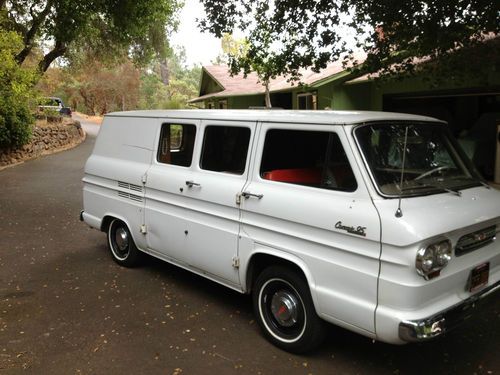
(432, 171)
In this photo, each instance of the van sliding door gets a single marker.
(166, 217)
(211, 198)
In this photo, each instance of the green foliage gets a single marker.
(154, 93)
(174, 92)
(284, 36)
(94, 87)
(138, 28)
(16, 94)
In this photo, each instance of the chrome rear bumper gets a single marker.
(446, 320)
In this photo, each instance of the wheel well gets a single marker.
(259, 262)
(106, 222)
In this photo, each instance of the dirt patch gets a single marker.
(93, 119)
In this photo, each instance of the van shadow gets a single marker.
(471, 348)
(197, 284)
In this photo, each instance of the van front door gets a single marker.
(222, 170)
(306, 202)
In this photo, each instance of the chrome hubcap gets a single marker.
(284, 307)
(121, 239)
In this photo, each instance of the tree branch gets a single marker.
(58, 50)
(30, 34)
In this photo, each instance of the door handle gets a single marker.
(247, 195)
(191, 184)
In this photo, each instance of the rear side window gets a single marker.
(225, 149)
(176, 144)
(310, 158)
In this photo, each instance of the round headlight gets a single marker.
(433, 258)
(443, 253)
(426, 260)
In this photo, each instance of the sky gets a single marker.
(201, 48)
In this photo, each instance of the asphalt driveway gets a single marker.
(67, 308)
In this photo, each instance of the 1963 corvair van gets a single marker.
(373, 221)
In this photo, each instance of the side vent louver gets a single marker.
(126, 185)
(132, 187)
(134, 197)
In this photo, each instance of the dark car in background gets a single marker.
(53, 103)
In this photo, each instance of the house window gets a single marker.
(308, 100)
(222, 104)
(176, 144)
(311, 158)
(225, 149)
(210, 105)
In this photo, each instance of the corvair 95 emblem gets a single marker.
(360, 231)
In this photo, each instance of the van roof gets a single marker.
(267, 115)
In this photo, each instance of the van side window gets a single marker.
(311, 158)
(225, 149)
(176, 144)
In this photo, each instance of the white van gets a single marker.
(375, 222)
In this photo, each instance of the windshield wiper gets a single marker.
(442, 188)
(473, 179)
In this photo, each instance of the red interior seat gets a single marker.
(298, 175)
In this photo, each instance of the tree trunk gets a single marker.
(268, 95)
(87, 102)
(104, 108)
(58, 50)
(164, 72)
(30, 34)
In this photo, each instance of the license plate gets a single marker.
(479, 277)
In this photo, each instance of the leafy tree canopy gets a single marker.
(286, 35)
(16, 95)
(108, 27)
(96, 87)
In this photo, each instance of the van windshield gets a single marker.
(433, 162)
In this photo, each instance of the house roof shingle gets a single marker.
(238, 85)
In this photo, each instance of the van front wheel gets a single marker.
(121, 244)
(285, 311)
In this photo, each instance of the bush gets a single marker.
(16, 93)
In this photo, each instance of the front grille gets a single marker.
(475, 240)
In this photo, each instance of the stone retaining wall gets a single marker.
(47, 138)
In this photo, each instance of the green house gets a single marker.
(471, 106)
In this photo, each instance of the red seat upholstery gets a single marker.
(297, 176)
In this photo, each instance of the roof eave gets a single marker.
(221, 94)
(340, 77)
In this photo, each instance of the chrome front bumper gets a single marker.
(446, 320)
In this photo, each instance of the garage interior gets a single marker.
(474, 118)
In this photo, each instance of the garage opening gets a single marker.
(474, 118)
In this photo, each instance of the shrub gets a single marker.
(16, 93)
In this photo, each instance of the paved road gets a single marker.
(90, 128)
(67, 308)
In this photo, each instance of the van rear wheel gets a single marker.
(285, 311)
(121, 244)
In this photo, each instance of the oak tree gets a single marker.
(138, 27)
(395, 35)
